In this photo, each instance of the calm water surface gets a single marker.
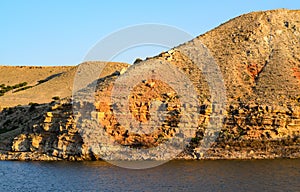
(259, 175)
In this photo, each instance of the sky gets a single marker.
(61, 32)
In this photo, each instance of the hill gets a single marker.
(43, 83)
(259, 60)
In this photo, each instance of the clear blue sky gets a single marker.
(61, 32)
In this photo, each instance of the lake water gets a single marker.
(221, 175)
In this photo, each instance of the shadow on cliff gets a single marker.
(28, 129)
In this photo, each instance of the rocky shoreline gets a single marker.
(54, 136)
(258, 55)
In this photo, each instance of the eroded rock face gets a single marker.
(141, 100)
(259, 57)
(21, 143)
(52, 136)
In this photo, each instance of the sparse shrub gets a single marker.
(137, 60)
(195, 140)
(9, 111)
(19, 85)
(32, 106)
(23, 88)
(247, 78)
(7, 88)
(3, 130)
(56, 98)
(7, 122)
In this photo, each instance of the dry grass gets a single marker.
(47, 82)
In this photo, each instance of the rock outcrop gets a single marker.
(258, 55)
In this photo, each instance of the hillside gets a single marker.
(46, 82)
(258, 55)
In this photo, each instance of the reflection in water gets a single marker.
(222, 175)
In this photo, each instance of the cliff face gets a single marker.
(259, 58)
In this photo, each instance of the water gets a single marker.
(222, 175)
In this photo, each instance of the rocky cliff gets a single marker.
(259, 58)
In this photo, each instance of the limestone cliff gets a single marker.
(259, 58)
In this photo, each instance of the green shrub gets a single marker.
(23, 88)
(19, 85)
(195, 140)
(7, 88)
